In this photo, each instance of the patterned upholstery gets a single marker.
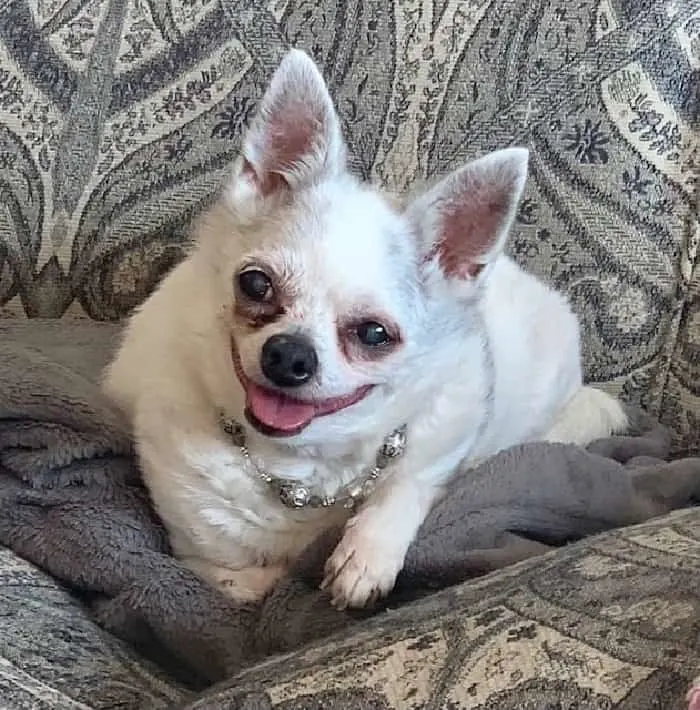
(607, 624)
(118, 120)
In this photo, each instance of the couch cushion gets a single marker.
(118, 121)
(607, 624)
(53, 656)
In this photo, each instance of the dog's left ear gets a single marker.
(463, 221)
(295, 137)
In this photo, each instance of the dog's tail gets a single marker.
(589, 415)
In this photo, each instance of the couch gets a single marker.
(118, 122)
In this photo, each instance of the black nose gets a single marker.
(288, 360)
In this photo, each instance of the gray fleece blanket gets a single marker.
(72, 502)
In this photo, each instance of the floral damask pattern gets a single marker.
(119, 119)
(608, 624)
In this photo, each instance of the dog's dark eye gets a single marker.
(255, 284)
(372, 334)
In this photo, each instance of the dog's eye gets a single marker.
(255, 284)
(372, 334)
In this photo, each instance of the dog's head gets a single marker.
(338, 298)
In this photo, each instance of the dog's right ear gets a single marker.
(295, 138)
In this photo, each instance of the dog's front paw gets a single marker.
(361, 570)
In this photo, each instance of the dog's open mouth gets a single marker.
(274, 413)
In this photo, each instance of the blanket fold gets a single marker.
(72, 502)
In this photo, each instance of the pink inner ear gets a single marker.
(290, 136)
(469, 225)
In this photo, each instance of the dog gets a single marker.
(324, 357)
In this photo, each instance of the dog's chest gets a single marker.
(232, 517)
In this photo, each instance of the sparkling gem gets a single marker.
(294, 496)
(355, 490)
(394, 444)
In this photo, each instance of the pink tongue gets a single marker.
(277, 411)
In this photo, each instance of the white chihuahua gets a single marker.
(325, 357)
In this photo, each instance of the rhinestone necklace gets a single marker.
(297, 495)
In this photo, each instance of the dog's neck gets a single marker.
(341, 453)
(325, 484)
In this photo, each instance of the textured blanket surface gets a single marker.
(72, 502)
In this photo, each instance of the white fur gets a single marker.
(486, 362)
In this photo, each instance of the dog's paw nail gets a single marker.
(339, 604)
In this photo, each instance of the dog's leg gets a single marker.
(371, 553)
(249, 584)
(590, 414)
